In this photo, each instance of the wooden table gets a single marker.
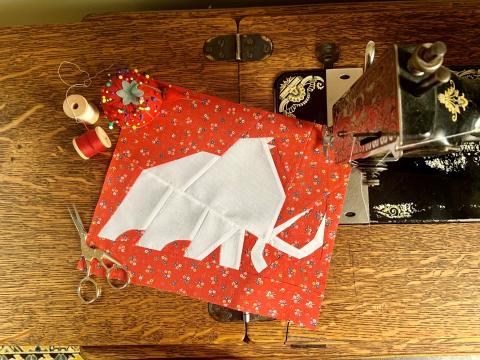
(392, 289)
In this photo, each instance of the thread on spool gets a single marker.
(78, 108)
(92, 142)
(85, 84)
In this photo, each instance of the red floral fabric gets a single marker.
(187, 123)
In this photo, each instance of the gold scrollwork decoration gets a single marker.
(396, 211)
(473, 74)
(295, 92)
(453, 101)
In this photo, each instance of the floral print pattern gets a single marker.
(289, 288)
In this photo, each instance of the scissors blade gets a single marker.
(88, 253)
(105, 255)
(77, 221)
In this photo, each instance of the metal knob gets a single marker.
(328, 54)
(427, 58)
(441, 76)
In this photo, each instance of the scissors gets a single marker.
(89, 254)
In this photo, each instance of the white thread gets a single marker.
(85, 84)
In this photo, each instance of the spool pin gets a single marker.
(77, 107)
(91, 143)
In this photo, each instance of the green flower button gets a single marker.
(130, 93)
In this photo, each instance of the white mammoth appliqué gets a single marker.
(211, 200)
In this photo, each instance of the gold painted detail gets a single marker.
(453, 101)
(473, 74)
(396, 211)
(295, 92)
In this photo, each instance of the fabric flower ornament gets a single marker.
(130, 93)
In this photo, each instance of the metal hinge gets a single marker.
(238, 47)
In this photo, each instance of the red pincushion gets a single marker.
(131, 115)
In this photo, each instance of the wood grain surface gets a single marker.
(351, 26)
(396, 289)
(285, 10)
(392, 289)
(237, 351)
(41, 175)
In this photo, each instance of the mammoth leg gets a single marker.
(231, 250)
(212, 233)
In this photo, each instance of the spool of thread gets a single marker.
(77, 107)
(92, 142)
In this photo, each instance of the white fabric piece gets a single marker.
(213, 232)
(257, 250)
(244, 186)
(148, 195)
(169, 224)
(307, 250)
(139, 207)
(211, 201)
(231, 250)
(182, 172)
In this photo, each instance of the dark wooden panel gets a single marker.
(351, 26)
(283, 10)
(233, 351)
(391, 289)
(223, 352)
(40, 174)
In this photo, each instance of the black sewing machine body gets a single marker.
(446, 110)
(412, 137)
(421, 114)
(416, 146)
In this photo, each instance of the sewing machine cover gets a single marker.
(229, 204)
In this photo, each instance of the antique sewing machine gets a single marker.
(406, 110)
(409, 126)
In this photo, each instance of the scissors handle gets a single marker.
(83, 283)
(98, 291)
(108, 270)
